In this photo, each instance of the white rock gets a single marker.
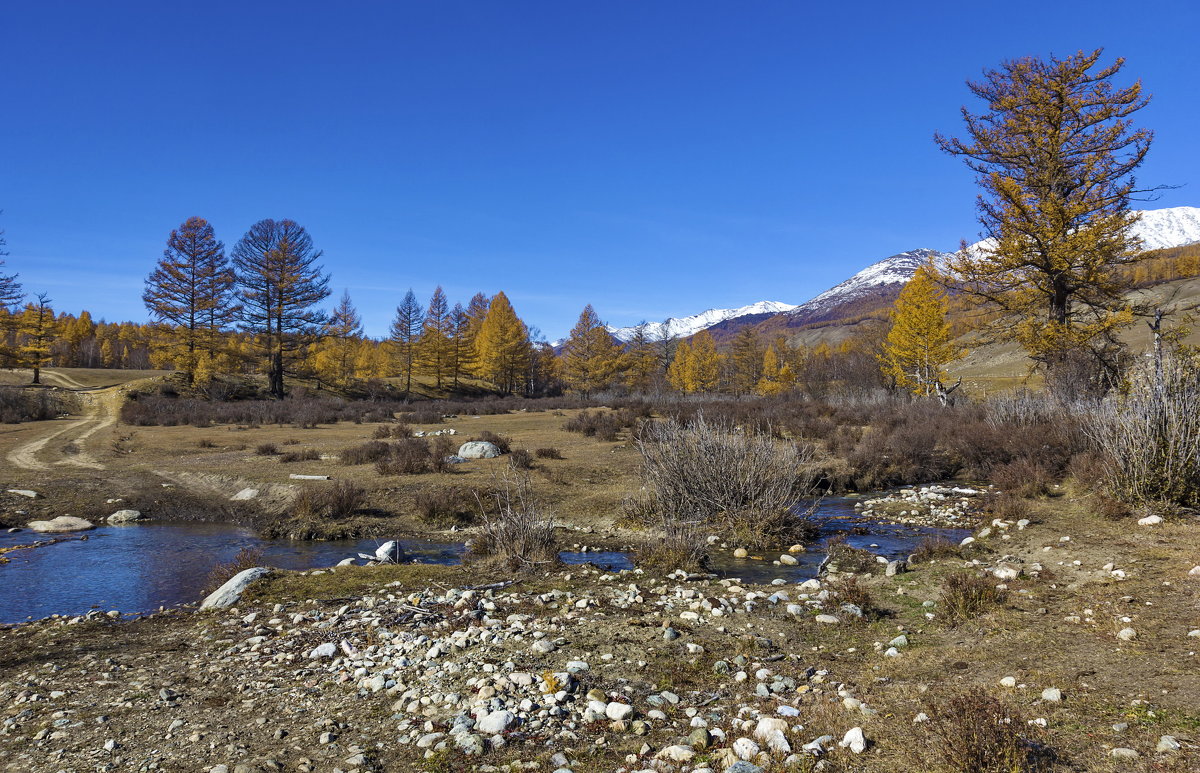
(1052, 694)
(244, 495)
(1127, 634)
(1194, 571)
(1149, 520)
(1123, 753)
(294, 476)
(1167, 743)
(745, 749)
(788, 560)
(326, 650)
(231, 592)
(676, 753)
(60, 524)
(124, 516)
(1008, 681)
(767, 726)
(478, 449)
(826, 619)
(389, 552)
(854, 740)
(618, 711)
(24, 492)
(495, 722)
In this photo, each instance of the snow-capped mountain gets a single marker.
(683, 327)
(894, 270)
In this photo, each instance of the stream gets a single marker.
(140, 567)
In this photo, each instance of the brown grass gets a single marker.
(966, 596)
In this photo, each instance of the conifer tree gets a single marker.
(462, 350)
(641, 360)
(477, 309)
(680, 370)
(704, 367)
(502, 349)
(590, 357)
(919, 344)
(777, 374)
(1054, 156)
(279, 283)
(746, 361)
(10, 289)
(436, 349)
(38, 328)
(190, 293)
(336, 354)
(405, 336)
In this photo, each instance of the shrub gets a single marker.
(328, 502)
(365, 453)
(846, 558)
(408, 456)
(681, 547)
(742, 485)
(936, 548)
(444, 507)
(246, 558)
(20, 405)
(965, 596)
(521, 459)
(443, 448)
(974, 732)
(1023, 478)
(605, 425)
(1151, 437)
(848, 590)
(548, 453)
(385, 431)
(304, 455)
(266, 449)
(205, 443)
(423, 415)
(518, 532)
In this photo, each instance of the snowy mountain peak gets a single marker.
(683, 327)
(896, 269)
(1168, 227)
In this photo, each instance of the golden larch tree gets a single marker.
(590, 358)
(502, 348)
(435, 348)
(38, 329)
(919, 344)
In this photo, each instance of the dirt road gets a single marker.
(70, 436)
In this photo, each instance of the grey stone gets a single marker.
(495, 722)
(61, 524)
(125, 516)
(231, 592)
(478, 449)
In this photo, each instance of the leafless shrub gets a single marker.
(266, 449)
(246, 558)
(503, 442)
(365, 453)
(443, 448)
(19, 405)
(336, 501)
(973, 732)
(444, 507)
(517, 530)
(385, 431)
(303, 455)
(681, 547)
(423, 415)
(205, 443)
(937, 548)
(965, 596)
(741, 484)
(848, 590)
(548, 453)
(845, 558)
(1151, 436)
(1023, 478)
(521, 459)
(408, 456)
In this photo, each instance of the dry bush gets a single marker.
(423, 415)
(973, 732)
(168, 410)
(444, 507)
(364, 453)
(246, 558)
(303, 455)
(965, 596)
(338, 500)
(19, 405)
(439, 455)
(606, 425)
(845, 558)
(937, 548)
(1023, 478)
(205, 443)
(385, 431)
(1006, 506)
(848, 590)
(266, 449)
(408, 456)
(723, 479)
(521, 459)
(503, 442)
(1151, 436)
(548, 453)
(518, 531)
(681, 547)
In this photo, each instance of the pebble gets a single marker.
(1052, 695)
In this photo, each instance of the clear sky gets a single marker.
(651, 158)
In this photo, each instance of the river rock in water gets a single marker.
(231, 592)
(61, 523)
(125, 516)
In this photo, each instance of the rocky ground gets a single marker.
(1091, 650)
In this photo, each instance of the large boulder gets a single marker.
(61, 523)
(478, 449)
(125, 516)
(389, 552)
(231, 592)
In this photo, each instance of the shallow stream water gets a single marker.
(140, 567)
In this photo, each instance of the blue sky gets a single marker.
(650, 158)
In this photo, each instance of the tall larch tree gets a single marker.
(704, 371)
(405, 338)
(590, 358)
(38, 330)
(280, 283)
(189, 294)
(11, 296)
(679, 372)
(746, 361)
(641, 366)
(777, 376)
(919, 344)
(462, 350)
(1054, 156)
(436, 346)
(502, 349)
(477, 309)
(338, 349)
